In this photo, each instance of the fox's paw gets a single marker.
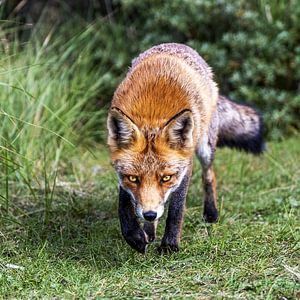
(210, 215)
(137, 240)
(210, 218)
(168, 247)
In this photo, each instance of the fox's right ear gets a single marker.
(179, 130)
(122, 132)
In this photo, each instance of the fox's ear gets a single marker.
(122, 132)
(179, 130)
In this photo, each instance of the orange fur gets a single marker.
(160, 87)
(147, 94)
(162, 108)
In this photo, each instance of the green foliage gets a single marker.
(252, 46)
(51, 92)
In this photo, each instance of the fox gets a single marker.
(167, 108)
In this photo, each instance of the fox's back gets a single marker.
(162, 82)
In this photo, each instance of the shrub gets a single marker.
(252, 46)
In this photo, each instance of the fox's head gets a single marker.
(150, 162)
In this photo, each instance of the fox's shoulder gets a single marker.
(181, 52)
(155, 89)
(163, 81)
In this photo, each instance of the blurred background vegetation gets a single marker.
(253, 46)
(61, 60)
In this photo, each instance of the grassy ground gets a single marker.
(66, 243)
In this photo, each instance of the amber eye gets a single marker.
(133, 178)
(166, 178)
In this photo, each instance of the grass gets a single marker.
(59, 229)
(78, 251)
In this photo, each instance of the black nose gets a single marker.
(150, 215)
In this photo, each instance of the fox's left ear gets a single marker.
(179, 130)
(122, 132)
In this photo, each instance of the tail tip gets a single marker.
(256, 143)
(251, 143)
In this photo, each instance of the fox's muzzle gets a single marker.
(149, 215)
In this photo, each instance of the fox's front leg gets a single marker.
(130, 227)
(171, 238)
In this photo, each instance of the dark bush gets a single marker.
(252, 46)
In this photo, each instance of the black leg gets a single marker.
(205, 153)
(171, 238)
(130, 227)
(210, 213)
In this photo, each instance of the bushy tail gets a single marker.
(240, 126)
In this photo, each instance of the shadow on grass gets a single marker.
(77, 228)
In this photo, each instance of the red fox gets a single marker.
(168, 107)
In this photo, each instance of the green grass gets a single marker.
(53, 94)
(78, 251)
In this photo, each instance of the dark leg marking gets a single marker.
(130, 227)
(205, 154)
(210, 213)
(171, 238)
